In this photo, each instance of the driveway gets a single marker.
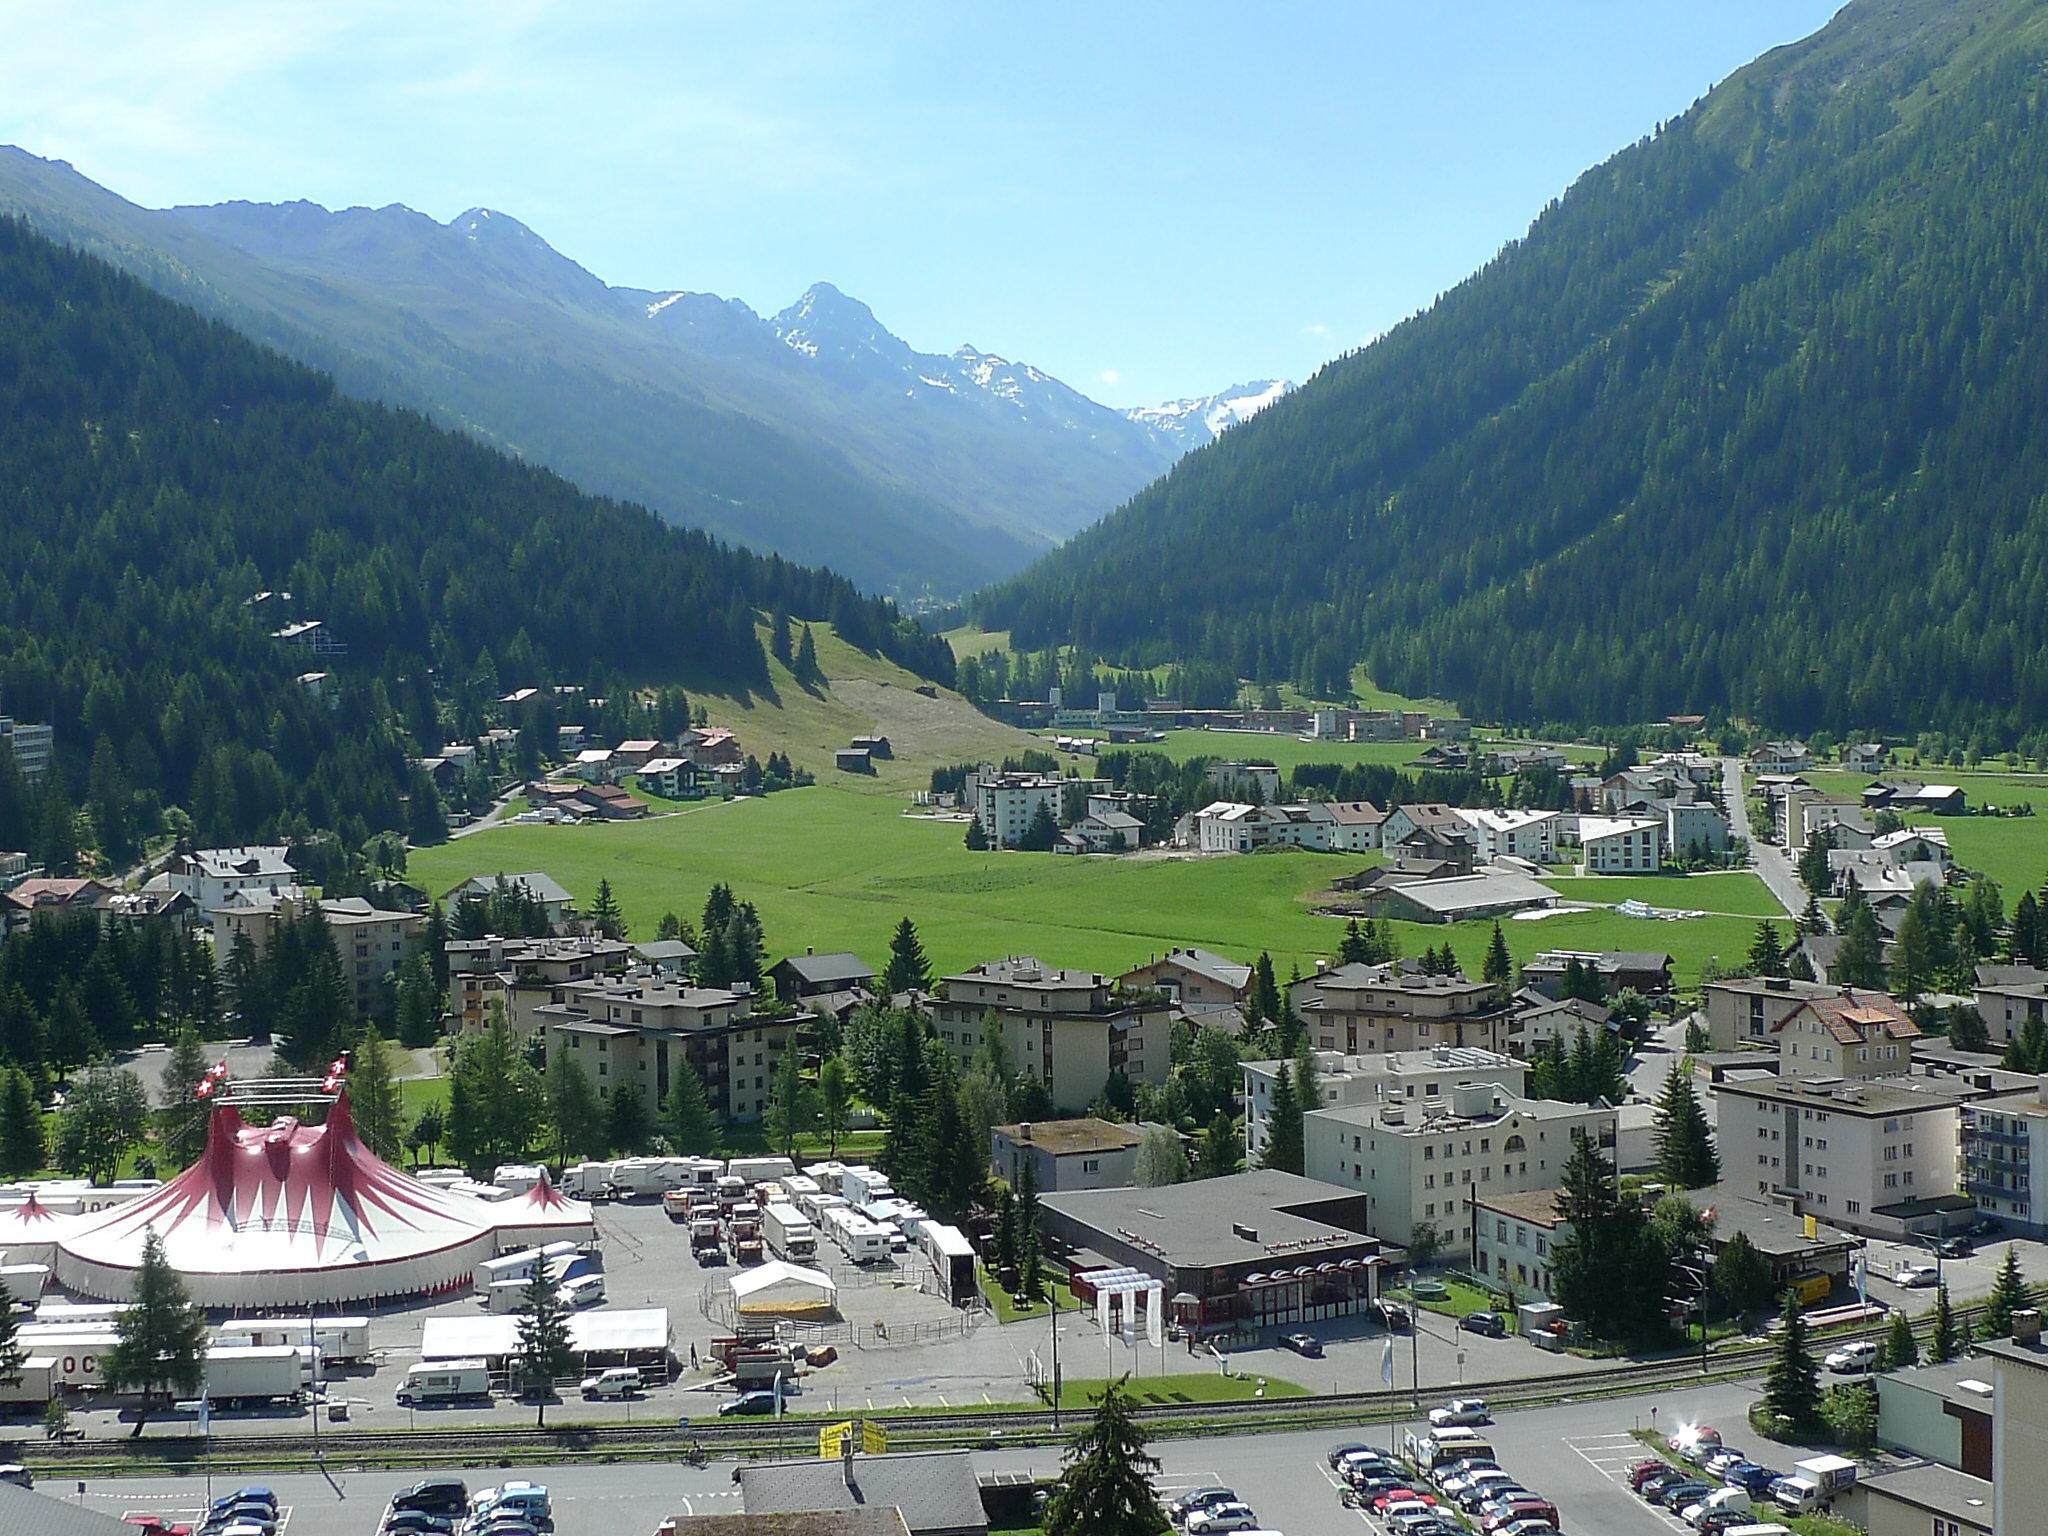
(1770, 862)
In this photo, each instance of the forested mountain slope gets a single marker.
(1755, 417)
(814, 433)
(158, 470)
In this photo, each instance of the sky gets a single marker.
(1148, 201)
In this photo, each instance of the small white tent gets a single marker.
(779, 1289)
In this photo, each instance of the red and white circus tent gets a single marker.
(290, 1215)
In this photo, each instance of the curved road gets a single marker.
(1770, 862)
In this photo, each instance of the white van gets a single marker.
(618, 1381)
(583, 1291)
(444, 1381)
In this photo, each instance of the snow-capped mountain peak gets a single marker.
(1202, 419)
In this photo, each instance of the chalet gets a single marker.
(1904, 795)
(811, 974)
(1780, 757)
(1403, 819)
(853, 760)
(1619, 970)
(1445, 757)
(556, 904)
(710, 744)
(876, 746)
(49, 895)
(1192, 976)
(1540, 1019)
(672, 778)
(1432, 849)
(594, 764)
(1845, 1033)
(1109, 832)
(628, 756)
(1865, 757)
(1355, 825)
(1914, 845)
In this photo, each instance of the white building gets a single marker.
(1530, 835)
(1394, 1077)
(1879, 1157)
(1355, 825)
(1695, 826)
(1238, 778)
(1006, 803)
(30, 746)
(2004, 1140)
(1422, 1164)
(213, 877)
(1231, 826)
(1621, 845)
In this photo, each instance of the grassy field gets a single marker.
(2013, 850)
(1181, 1389)
(836, 868)
(1737, 892)
(1010, 1310)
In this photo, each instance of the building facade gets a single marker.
(1084, 1153)
(1356, 1009)
(1071, 1030)
(1006, 803)
(1417, 1078)
(1621, 845)
(639, 1029)
(31, 747)
(370, 944)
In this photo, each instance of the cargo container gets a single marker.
(587, 1181)
(252, 1373)
(952, 1260)
(23, 1284)
(506, 1296)
(74, 1356)
(444, 1381)
(790, 1234)
(37, 1382)
(342, 1340)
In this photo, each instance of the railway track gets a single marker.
(665, 1440)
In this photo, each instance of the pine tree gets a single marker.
(1041, 832)
(908, 969)
(1792, 1383)
(181, 1115)
(22, 1147)
(575, 1110)
(2023, 942)
(1686, 1158)
(1284, 1147)
(1030, 1255)
(1354, 950)
(1742, 1276)
(373, 1097)
(1943, 1343)
(2009, 1294)
(1498, 971)
(1221, 1149)
(1859, 962)
(976, 839)
(1106, 1487)
(605, 915)
(1266, 1003)
(792, 1102)
(418, 1002)
(544, 1354)
(628, 1126)
(1766, 951)
(13, 1356)
(806, 669)
(692, 1125)
(1900, 1347)
(835, 1095)
(1004, 1236)
(161, 1338)
(779, 644)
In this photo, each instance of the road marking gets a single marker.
(942, 1401)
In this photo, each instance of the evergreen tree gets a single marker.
(68, 1037)
(1813, 868)
(1004, 1236)
(1498, 971)
(495, 1097)
(13, 1356)
(182, 1116)
(1106, 1486)
(1221, 1149)
(1353, 950)
(1266, 1002)
(544, 1354)
(1900, 1347)
(160, 1340)
(1859, 962)
(1742, 1276)
(1792, 1382)
(429, 1129)
(1030, 1255)
(835, 1096)
(1041, 832)
(575, 1111)
(779, 645)
(22, 1148)
(2024, 940)
(418, 1002)
(1943, 1343)
(792, 1102)
(2009, 1294)
(605, 915)
(373, 1096)
(692, 1125)
(1285, 1148)
(1912, 958)
(976, 839)
(1686, 1158)
(628, 1125)
(806, 668)
(908, 969)
(1766, 951)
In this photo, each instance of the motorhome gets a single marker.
(444, 1381)
(343, 1340)
(952, 1260)
(517, 1266)
(790, 1234)
(759, 1170)
(587, 1181)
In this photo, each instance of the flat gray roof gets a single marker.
(935, 1490)
(1939, 1490)
(1190, 1226)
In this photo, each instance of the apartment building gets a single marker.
(524, 974)
(370, 943)
(2019, 1425)
(1242, 779)
(1514, 1235)
(1356, 1009)
(213, 877)
(1006, 803)
(639, 1028)
(1423, 1165)
(1879, 1156)
(1747, 1010)
(1621, 845)
(1418, 1078)
(2010, 997)
(1530, 835)
(1846, 1034)
(31, 747)
(2004, 1137)
(1069, 1029)
(1192, 977)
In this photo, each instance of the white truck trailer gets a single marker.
(789, 1233)
(252, 1373)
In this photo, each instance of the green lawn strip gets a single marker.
(1206, 1388)
(1009, 1310)
(1463, 1298)
(1735, 892)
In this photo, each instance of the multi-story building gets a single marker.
(1419, 1078)
(1071, 1030)
(1422, 1165)
(1621, 845)
(524, 974)
(370, 943)
(1514, 1235)
(1006, 803)
(213, 877)
(1358, 1009)
(1846, 1034)
(554, 900)
(1530, 835)
(640, 1028)
(1747, 1010)
(1192, 977)
(2019, 1425)
(31, 747)
(1355, 825)
(1243, 778)
(1878, 1156)
(2010, 997)
(1083, 1153)
(1694, 829)
(2001, 1136)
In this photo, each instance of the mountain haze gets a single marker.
(815, 434)
(1755, 417)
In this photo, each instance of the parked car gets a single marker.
(1460, 1410)
(747, 1404)
(1957, 1247)
(615, 1381)
(1521, 1512)
(1337, 1453)
(1199, 1498)
(1223, 1517)
(1718, 1462)
(1657, 1482)
(417, 1522)
(1689, 1491)
(1753, 1478)
(1915, 1275)
(1856, 1357)
(1398, 1498)
(1392, 1315)
(436, 1496)
(1647, 1467)
(1693, 1439)
(1304, 1344)
(155, 1525)
(1491, 1324)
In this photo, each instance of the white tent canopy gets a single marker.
(783, 1287)
(626, 1331)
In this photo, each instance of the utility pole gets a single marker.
(1054, 1292)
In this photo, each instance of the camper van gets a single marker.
(790, 1235)
(342, 1340)
(759, 1170)
(444, 1381)
(587, 1181)
(517, 1266)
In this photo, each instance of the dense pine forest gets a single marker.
(157, 471)
(1754, 419)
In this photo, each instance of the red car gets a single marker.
(1401, 1496)
(1643, 1471)
(154, 1525)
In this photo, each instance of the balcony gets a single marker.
(1978, 1132)
(1987, 1189)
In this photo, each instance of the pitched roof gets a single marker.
(823, 970)
(542, 888)
(23, 1513)
(936, 1490)
(1204, 962)
(1851, 1016)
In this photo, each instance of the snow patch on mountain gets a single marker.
(1194, 422)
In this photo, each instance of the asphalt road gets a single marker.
(1769, 861)
(1569, 1453)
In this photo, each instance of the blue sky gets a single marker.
(1146, 200)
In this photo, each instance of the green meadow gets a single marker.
(837, 868)
(2013, 850)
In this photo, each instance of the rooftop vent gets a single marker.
(2026, 1326)
(1249, 1234)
